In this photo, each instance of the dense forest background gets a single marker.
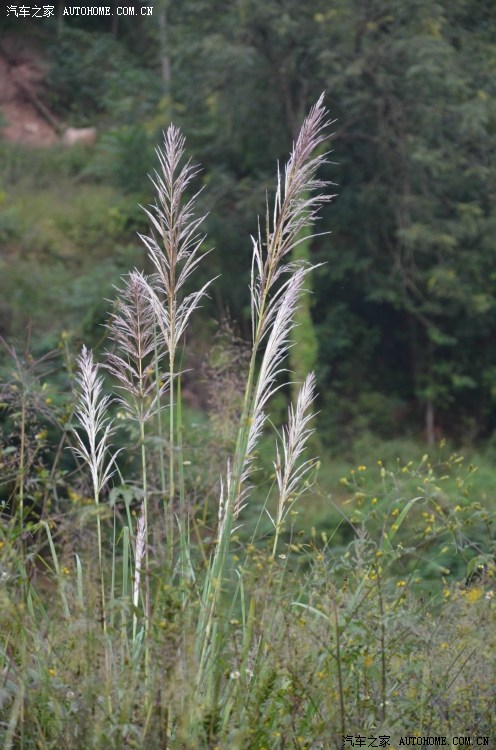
(402, 315)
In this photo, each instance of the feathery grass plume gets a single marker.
(296, 206)
(132, 362)
(175, 255)
(135, 363)
(289, 472)
(91, 413)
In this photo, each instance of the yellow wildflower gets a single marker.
(474, 594)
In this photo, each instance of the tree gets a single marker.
(404, 308)
(418, 129)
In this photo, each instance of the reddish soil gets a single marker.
(25, 118)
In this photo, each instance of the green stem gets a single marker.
(100, 563)
(103, 604)
(383, 649)
(146, 576)
(172, 488)
(340, 674)
(207, 633)
(276, 539)
(144, 481)
(125, 581)
(163, 482)
(184, 530)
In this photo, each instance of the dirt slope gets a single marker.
(24, 117)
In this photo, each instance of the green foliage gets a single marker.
(405, 303)
(10, 226)
(403, 308)
(358, 638)
(409, 167)
(93, 75)
(66, 242)
(122, 157)
(447, 524)
(40, 168)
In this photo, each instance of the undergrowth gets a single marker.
(145, 603)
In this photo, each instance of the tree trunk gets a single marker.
(60, 18)
(114, 25)
(430, 429)
(164, 57)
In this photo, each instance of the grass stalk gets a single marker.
(79, 580)
(382, 626)
(273, 303)
(91, 413)
(147, 606)
(175, 255)
(125, 582)
(156, 364)
(339, 667)
(14, 719)
(172, 442)
(58, 573)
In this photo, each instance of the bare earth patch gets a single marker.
(24, 116)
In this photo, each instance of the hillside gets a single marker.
(22, 72)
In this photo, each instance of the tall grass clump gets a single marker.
(275, 288)
(151, 622)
